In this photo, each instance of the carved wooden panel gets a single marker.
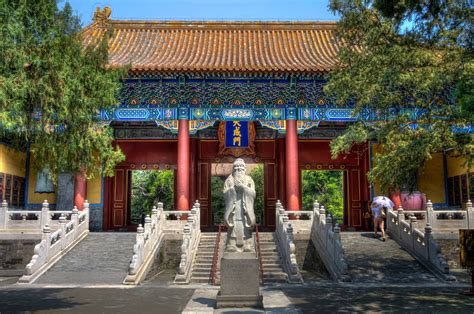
(119, 199)
(355, 201)
(270, 188)
(204, 186)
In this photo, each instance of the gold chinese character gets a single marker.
(237, 132)
(236, 140)
(236, 123)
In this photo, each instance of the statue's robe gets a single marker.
(239, 215)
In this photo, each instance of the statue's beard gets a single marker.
(239, 176)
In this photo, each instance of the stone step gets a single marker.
(200, 279)
(275, 275)
(200, 273)
(269, 254)
(202, 265)
(208, 252)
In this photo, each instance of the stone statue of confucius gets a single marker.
(239, 216)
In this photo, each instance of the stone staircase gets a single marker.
(273, 271)
(202, 265)
(373, 261)
(101, 258)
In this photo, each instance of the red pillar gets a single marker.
(182, 185)
(80, 191)
(291, 166)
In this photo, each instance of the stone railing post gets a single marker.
(197, 213)
(3, 215)
(328, 223)
(469, 215)
(400, 218)
(292, 250)
(428, 237)
(184, 249)
(62, 227)
(75, 217)
(316, 210)
(147, 227)
(337, 232)
(322, 213)
(430, 218)
(413, 225)
(45, 217)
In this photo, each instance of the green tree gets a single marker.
(150, 187)
(326, 187)
(398, 55)
(52, 87)
(257, 176)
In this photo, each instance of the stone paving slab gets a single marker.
(371, 260)
(101, 258)
(94, 300)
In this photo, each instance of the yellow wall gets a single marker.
(12, 161)
(431, 179)
(37, 198)
(94, 189)
(456, 166)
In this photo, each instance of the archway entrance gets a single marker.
(328, 188)
(206, 169)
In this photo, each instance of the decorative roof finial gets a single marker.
(102, 16)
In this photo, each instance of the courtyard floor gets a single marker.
(161, 298)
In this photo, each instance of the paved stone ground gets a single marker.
(373, 261)
(94, 300)
(359, 299)
(345, 298)
(101, 258)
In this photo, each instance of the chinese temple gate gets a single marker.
(201, 93)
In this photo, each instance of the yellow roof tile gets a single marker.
(183, 46)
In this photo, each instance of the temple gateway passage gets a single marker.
(200, 95)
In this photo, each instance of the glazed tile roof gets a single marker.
(254, 47)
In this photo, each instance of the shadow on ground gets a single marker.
(362, 300)
(94, 300)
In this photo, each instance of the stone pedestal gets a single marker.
(240, 281)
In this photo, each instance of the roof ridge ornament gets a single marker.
(102, 16)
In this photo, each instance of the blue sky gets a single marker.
(286, 10)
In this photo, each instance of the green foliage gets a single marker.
(150, 187)
(51, 87)
(326, 187)
(257, 176)
(398, 55)
(217, 199)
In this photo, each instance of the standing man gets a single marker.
(239, 216)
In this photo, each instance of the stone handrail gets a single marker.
(455, 219)
(419, 244)
(149, 239)
(327, 240)
(191, 237)
(286, 245)
(54, 244)
(37, 224)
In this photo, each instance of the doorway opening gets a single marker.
(219, 172)
(327, 187)
(148, 187)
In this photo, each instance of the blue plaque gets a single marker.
(236, 134)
